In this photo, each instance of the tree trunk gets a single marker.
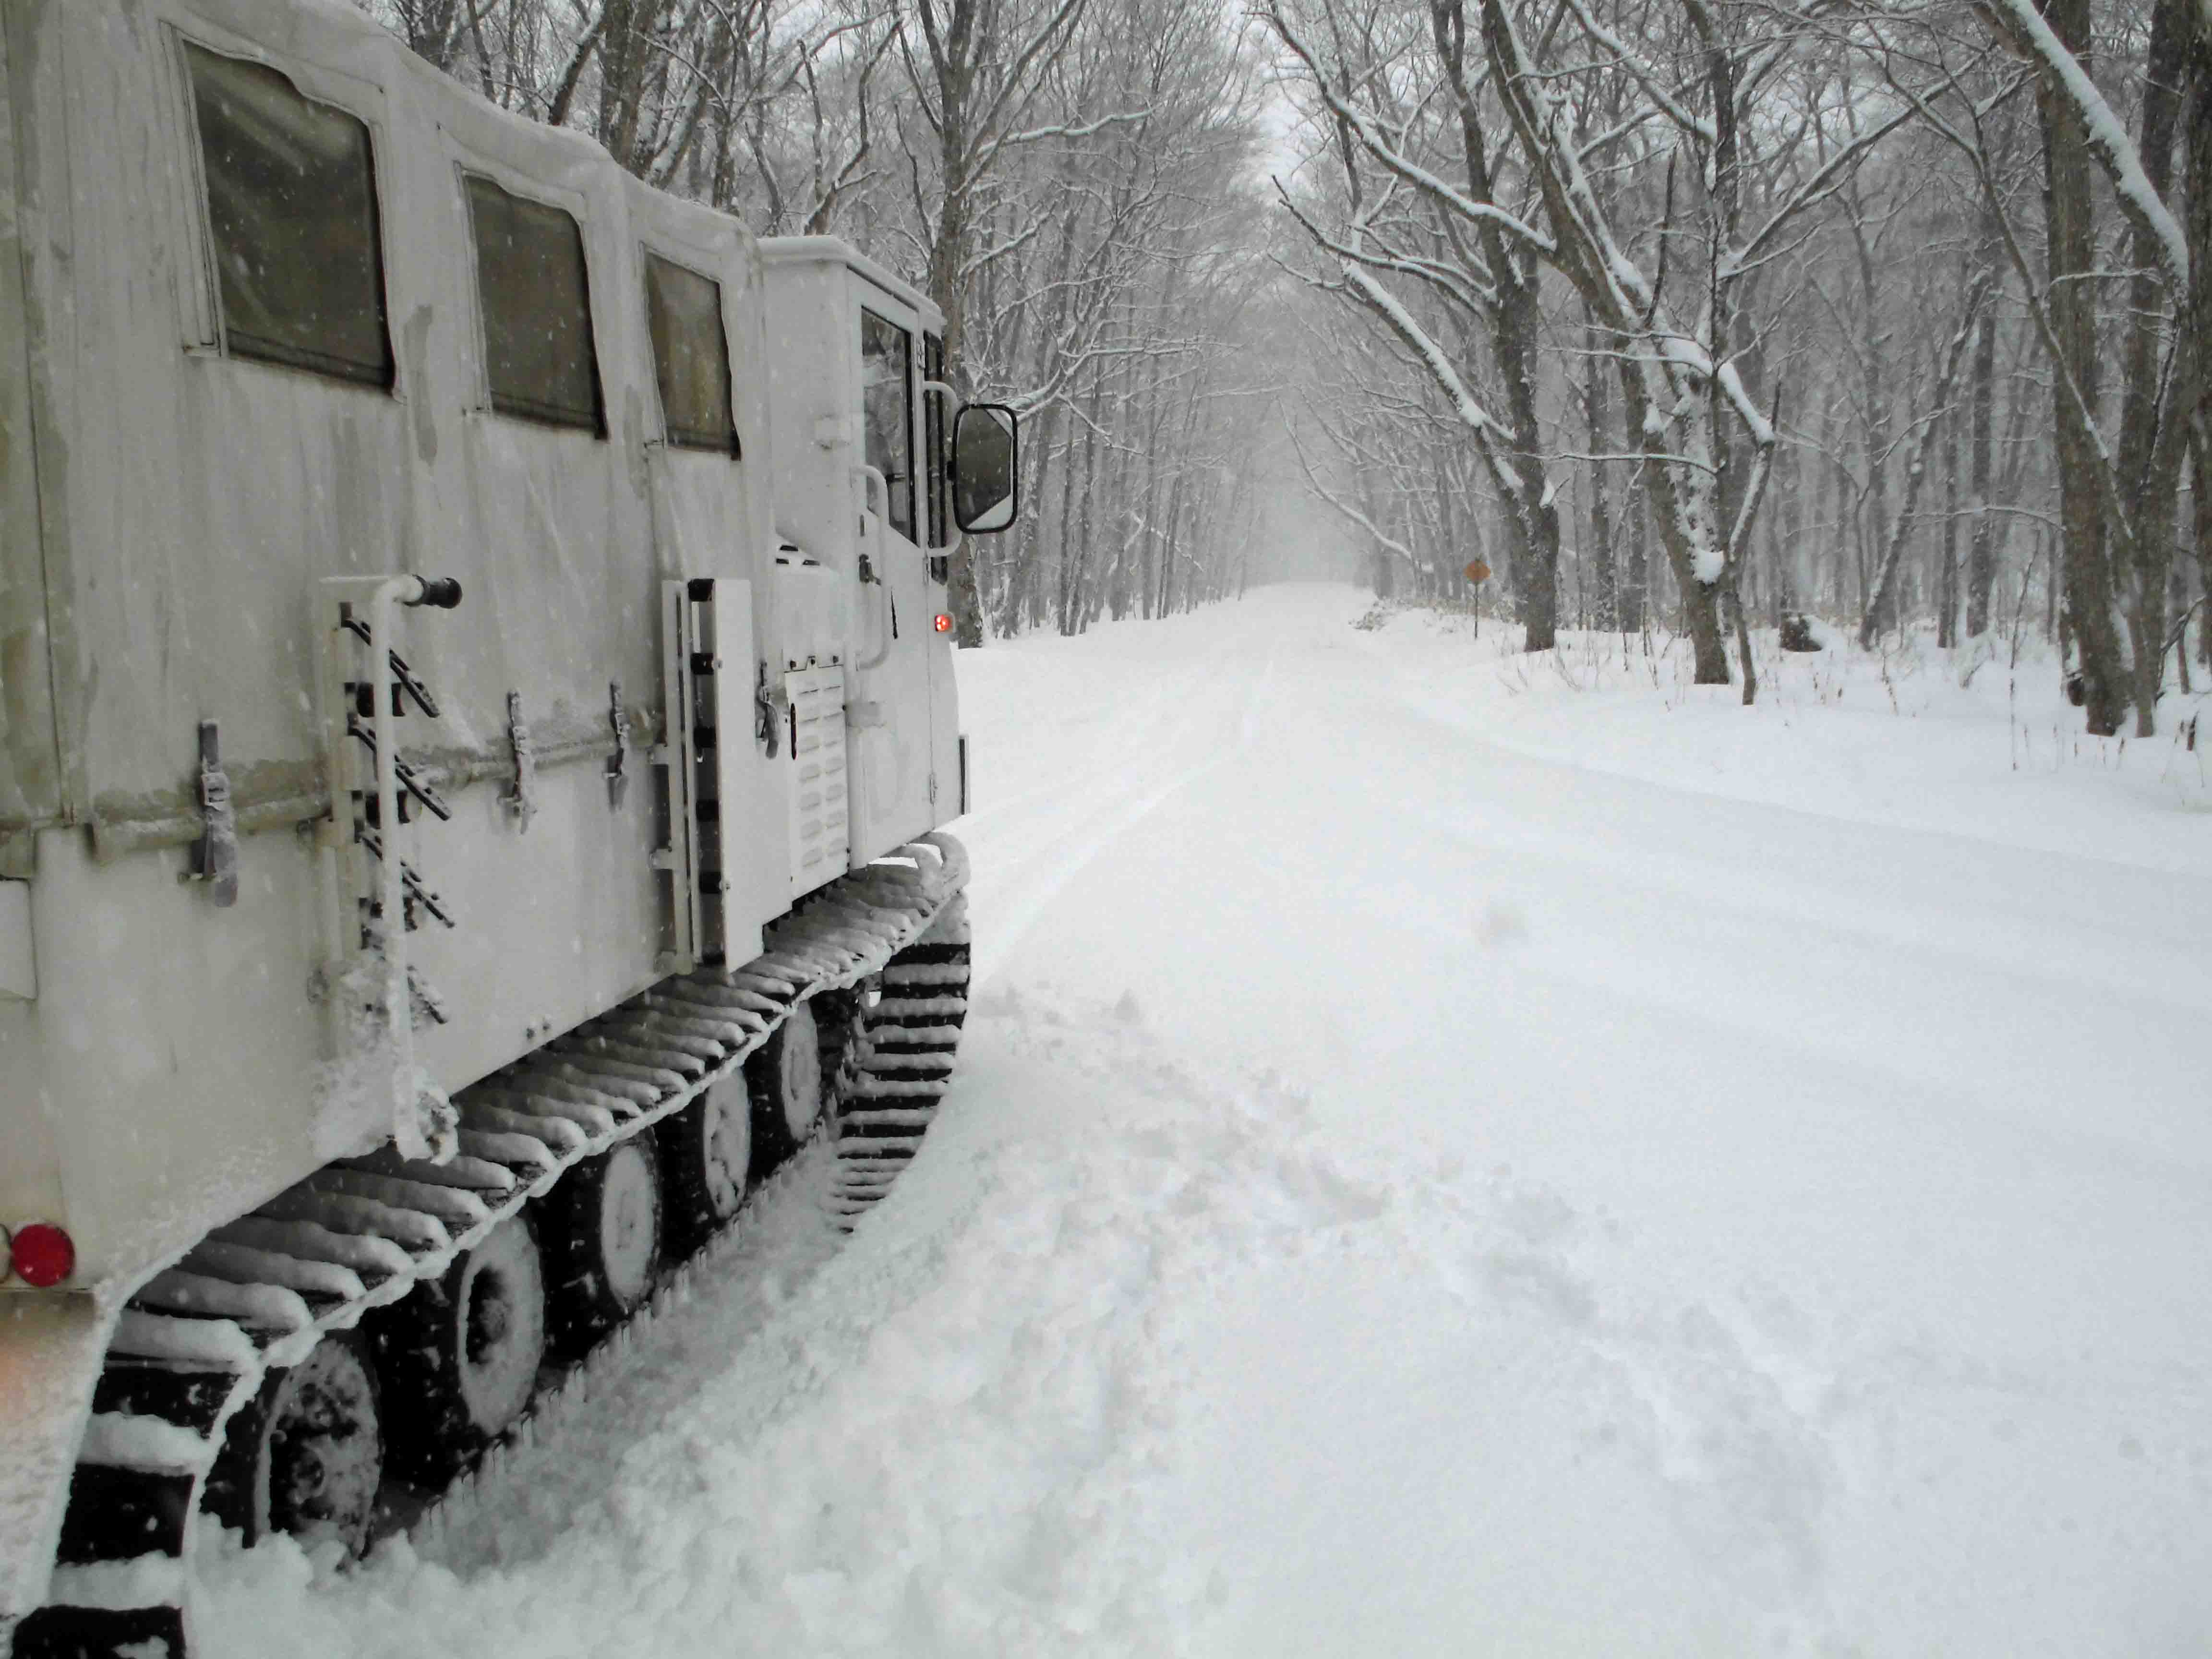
(1828, 574)
(2200, 489)
(1520, 325)
(952, 48)
(1516, 327)
(1013, 601)
(2198, 125)
(1634, 594)
(1700, 599)
(1880, 605)
(2151, 496)
(1788, 591)
(1597, 556)
(1874, 530)
(2053, 628)
(2070, 209)
(1947, 578)
(1982, 545)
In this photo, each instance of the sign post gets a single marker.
(1477, 573)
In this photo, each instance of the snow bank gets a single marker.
(1890, 737)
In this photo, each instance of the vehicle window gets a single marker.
(537, 303)
(887, 409)
(932, 421)
(291, 190)
(690, 355)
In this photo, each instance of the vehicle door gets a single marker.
(889, 715)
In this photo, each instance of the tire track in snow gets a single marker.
(569, 1453)
(949, 1442)
(1012, 890)
(1130, 734)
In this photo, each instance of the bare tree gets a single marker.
(2118, 493)
(1422, 232)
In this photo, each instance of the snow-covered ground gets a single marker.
(1455, 1155)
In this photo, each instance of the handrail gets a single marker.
(868, 475)
(953, 534)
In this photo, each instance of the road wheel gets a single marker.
(305, 1457)
(460, 1354)
(792, 1077)
(601, 1227)
(706, 1157)
(840, 1019)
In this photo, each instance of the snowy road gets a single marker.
(1419, 1185)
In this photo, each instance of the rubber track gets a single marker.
(908, 1042)
(198, 1339)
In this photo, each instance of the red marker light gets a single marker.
(944, 622)
(43, 1256)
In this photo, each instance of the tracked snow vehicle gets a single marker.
(478, 712)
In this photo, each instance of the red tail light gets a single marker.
(44, 1254)
(944, 622)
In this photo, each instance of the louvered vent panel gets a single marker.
(821, 835)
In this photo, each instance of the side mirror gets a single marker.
(986, 480)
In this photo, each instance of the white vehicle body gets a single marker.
(174, 517)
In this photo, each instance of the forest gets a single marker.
(1728, 320)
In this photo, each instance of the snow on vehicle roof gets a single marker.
(807, 250)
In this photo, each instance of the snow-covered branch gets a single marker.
(1668, 102)
(2021, 23)
(1345, 509)
(1376, 143)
